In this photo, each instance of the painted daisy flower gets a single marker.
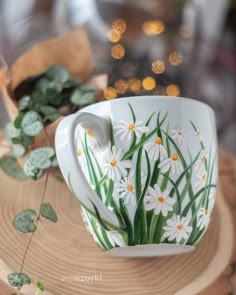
(198, 135)
(171, 163)
(155, 149)
(114, 166)
(179, 134)
(126, 129)
(203, 218)
(158, 201)
(200, 163)
(177, 228)
(201, 180)
(91, 138)
(115, 238)
(126, 189)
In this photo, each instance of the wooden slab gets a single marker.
(64, 257)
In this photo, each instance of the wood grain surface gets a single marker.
(64, 257)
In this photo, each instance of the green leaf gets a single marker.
(10, 131)
(43, 84)
(10, 166)
(57, 73)
(87, 88)
(72, 82)
(31, 123)
(18, 279)
(54, 162)
(18, 120)
(24, 102)
(18, 150)
(24, 221)
(47, 211)
(31, 171)
(40, 157)
(81, 98)
(39, 97)
(50, 113)
(40, 286)
(23, 139)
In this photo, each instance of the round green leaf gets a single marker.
(18, 150)
(23, 102)
(80, 98)
(31, 171)
(31, 123)
(72, 82)
(40, 157)
(57, 73)
(24, 221)
(87, 88)
(10, 166)
(43, 84)
(47, 211)
(39, 97)
(10, 131)
(50, 113)
(18, 120)
(18, 279)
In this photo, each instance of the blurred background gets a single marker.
(166, 47)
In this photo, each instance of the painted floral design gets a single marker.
(126, 189)
(179, 134)
(177, 228)
(171, 164)
(160, 190)
(126, 129)
(155, 149)
(158, 201)
(115, 167)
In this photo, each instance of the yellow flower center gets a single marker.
(206, 212)
(80, 152)
(158, 140)
(203, 160)
(180, 226)
(160, 199)
(130, 187)
(179, 133)
(131, 127)
(113, 163)
(174, 157)
(204, 177)
(90, 133)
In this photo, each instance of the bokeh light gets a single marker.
(185, 31)
(135, 85)
(158, 66)
(110, 93)
(155, 27)
(119, 26)
(175, 58)
(121, 86)
(172, 90)
(118, 51)
(114, 36)
(149, 83)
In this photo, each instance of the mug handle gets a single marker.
(69, 164)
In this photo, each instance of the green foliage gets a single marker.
(10, 166)
(40, 286)
(18, 279)
(24, 221)
(47, 211)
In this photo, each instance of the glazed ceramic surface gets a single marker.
(144, 170)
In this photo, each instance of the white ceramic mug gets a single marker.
(144, 170)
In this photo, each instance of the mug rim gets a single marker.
(165, 97)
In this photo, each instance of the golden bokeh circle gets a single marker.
(155, 27)
(114, 36)
(173, 90)
(110, 93)
(121, 86)
(175, 58)
(135, 85)
(158, 66)
(149, 83)
(119, 25)
(118, 51)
